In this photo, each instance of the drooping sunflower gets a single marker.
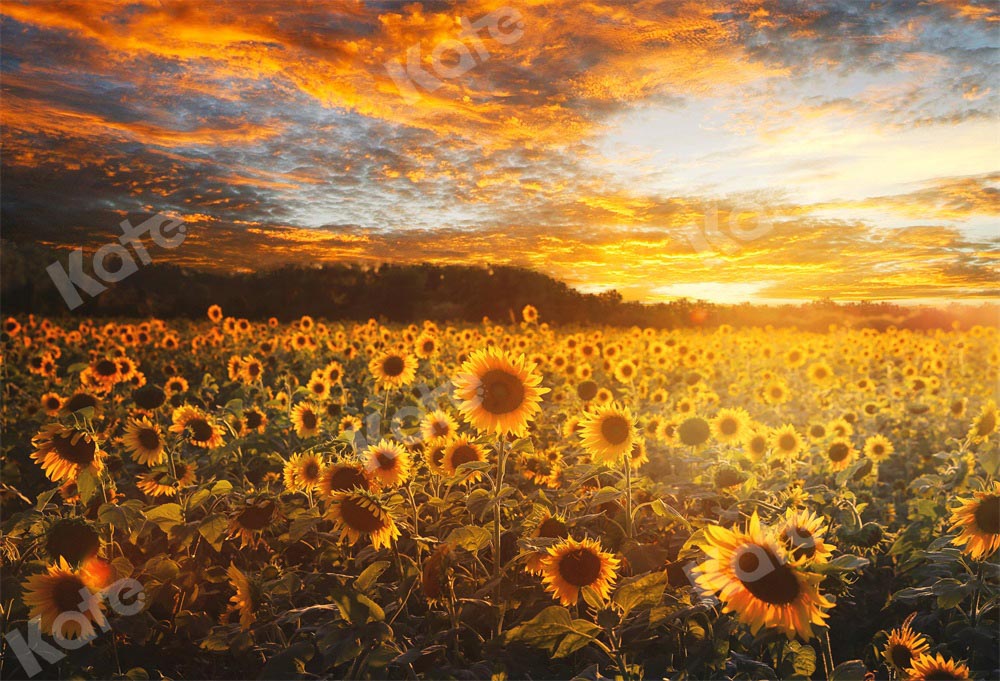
(459, 451)
(731, 425)
(144, 441)
(548, 527)
(243, 601)
(158, 482)
(343, 477)
(878, 448)
(750, 574)
(801, 535)
(928, 667)
(64, 451)
(437, 424)
(387, 464)
(985, 424)
(60, 590)
(72, 539)
(574, 565)
(306, 418)
(904, 646)
(978, 518)
(201, 429)
(357, 515)
(608, 433)
(302, 472)
(393, 369)
(250, 521)
(498, 393)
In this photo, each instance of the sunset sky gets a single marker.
(762, 150)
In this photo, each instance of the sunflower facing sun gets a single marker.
(751, 575)
(608, 433)
(498, 393)
(64, 590)
(979, 519)
(574, 565)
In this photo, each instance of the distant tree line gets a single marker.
(411, 293)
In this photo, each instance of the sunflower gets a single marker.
(250, 522)
(64, 451)
(927, 667)
(460, 451)
(694, 431)
(426, 345)
(608, 433)
(549, 527)
(437, 424)
(878, 448)
(985, 424)
(64, 590)
(839, 453)
(776, 392)
(175, 386)
(387, 464)
(904, 646)
(202, 431)
(159, 483)
(730, 425)
(251, 369)
(757, 444)
(498, 393)
(529, 314)
(255, 420)
(979, 519)
(144, 442)
(244, 600)
(637, 456)
(574, 565)
(302, 472)
(306, 419)
(434, 455)
(343, 477)
(358, 514)
(786, 441)
(820, 373)
(393, 369)
(51, 403)
(215, 313)
(801, 535)
(72, 539)
(433, 575)
(749, 573)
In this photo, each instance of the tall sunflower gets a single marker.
(64, 451)
(750, 574)
(60, 590)
(302, 472)
(608, 433)
(574, 565)
(498, 393)
(343, 477)
(731, 425)
(979, 519)
(548, 527)
(357, 515)
(878, 448)
(144, 441)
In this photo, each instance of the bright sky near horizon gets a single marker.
(758, 150)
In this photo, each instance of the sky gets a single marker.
(757, 150)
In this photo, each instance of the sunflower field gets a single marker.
(360, 501)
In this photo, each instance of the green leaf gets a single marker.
(470, 537)
(222, 487)
(669, 512)
(289, 663)
(113, 515)
(166, 516)
(478, 502)
(643, 592)
(606, 494)
(213, 529)
(370, 574)
(357, 608)
(87, 484)
(554, 630)
(198, 498)
(852, 670)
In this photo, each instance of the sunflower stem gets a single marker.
(827, 651)
(497, 534)
(628, 497)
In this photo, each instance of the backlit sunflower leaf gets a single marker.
(852, 670)
(165, 516)
(643, 592)
(87, 485)
(472, 538)
(213, 529)
(370, 574)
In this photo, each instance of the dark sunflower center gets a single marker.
(256, 517)
(79, 401)
(253, 419)
(728, 426)
(758, 444)
(987, 424)
(838, 452)
(502, 392)
(393, 366)
(319, 388)
(787, 442)
(385, 461)
(308, 420)
(694, 431)
(428, 346)
(360, 518)
(772, 582)
(615, 429)
(52, 403)
(149, 438)
(801, 541)
(463, 454)
(310, 471)
(80, 452)
(551, 527)
(72, 540)
(347, 478)
(580, 567)
(106, 367)
(587, 390)
(988, 515)
(944, 674)
(66, 593)
(439, 428)
(201, 430)
(878, 449)
(900, 656)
